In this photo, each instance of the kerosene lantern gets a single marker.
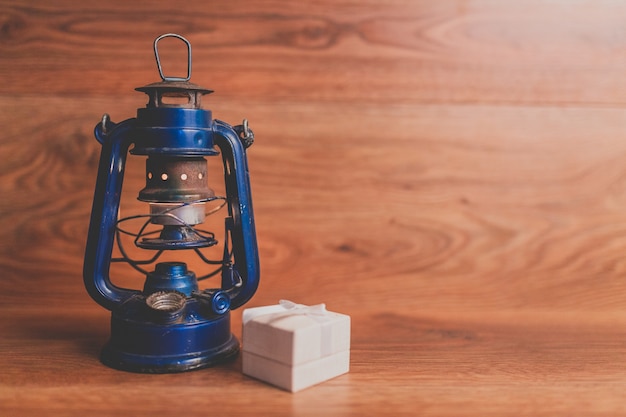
(171, 324)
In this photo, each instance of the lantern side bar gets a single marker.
(104, 214)
(237, 178)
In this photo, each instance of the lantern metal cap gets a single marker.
(172, 87)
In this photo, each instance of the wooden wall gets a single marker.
(435, 155)
(432, 157)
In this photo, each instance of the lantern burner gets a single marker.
(178, 237)
(178, 230)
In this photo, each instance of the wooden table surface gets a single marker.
(452, 174)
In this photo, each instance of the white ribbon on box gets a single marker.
(286, 308)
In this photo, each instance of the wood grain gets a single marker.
(528, 364)
(448, 173)
(399, 51)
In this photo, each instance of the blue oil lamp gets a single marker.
(172, 324)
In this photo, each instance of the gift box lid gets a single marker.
(294, 334)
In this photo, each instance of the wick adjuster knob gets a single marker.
(220, 302)
(217, 300)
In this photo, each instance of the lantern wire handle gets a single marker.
(158, 60)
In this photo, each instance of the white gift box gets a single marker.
(293, 346)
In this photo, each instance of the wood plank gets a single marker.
(402, 363)
(407, 51)
(463, 207)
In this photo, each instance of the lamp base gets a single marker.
(195, 340)
(126, 361)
